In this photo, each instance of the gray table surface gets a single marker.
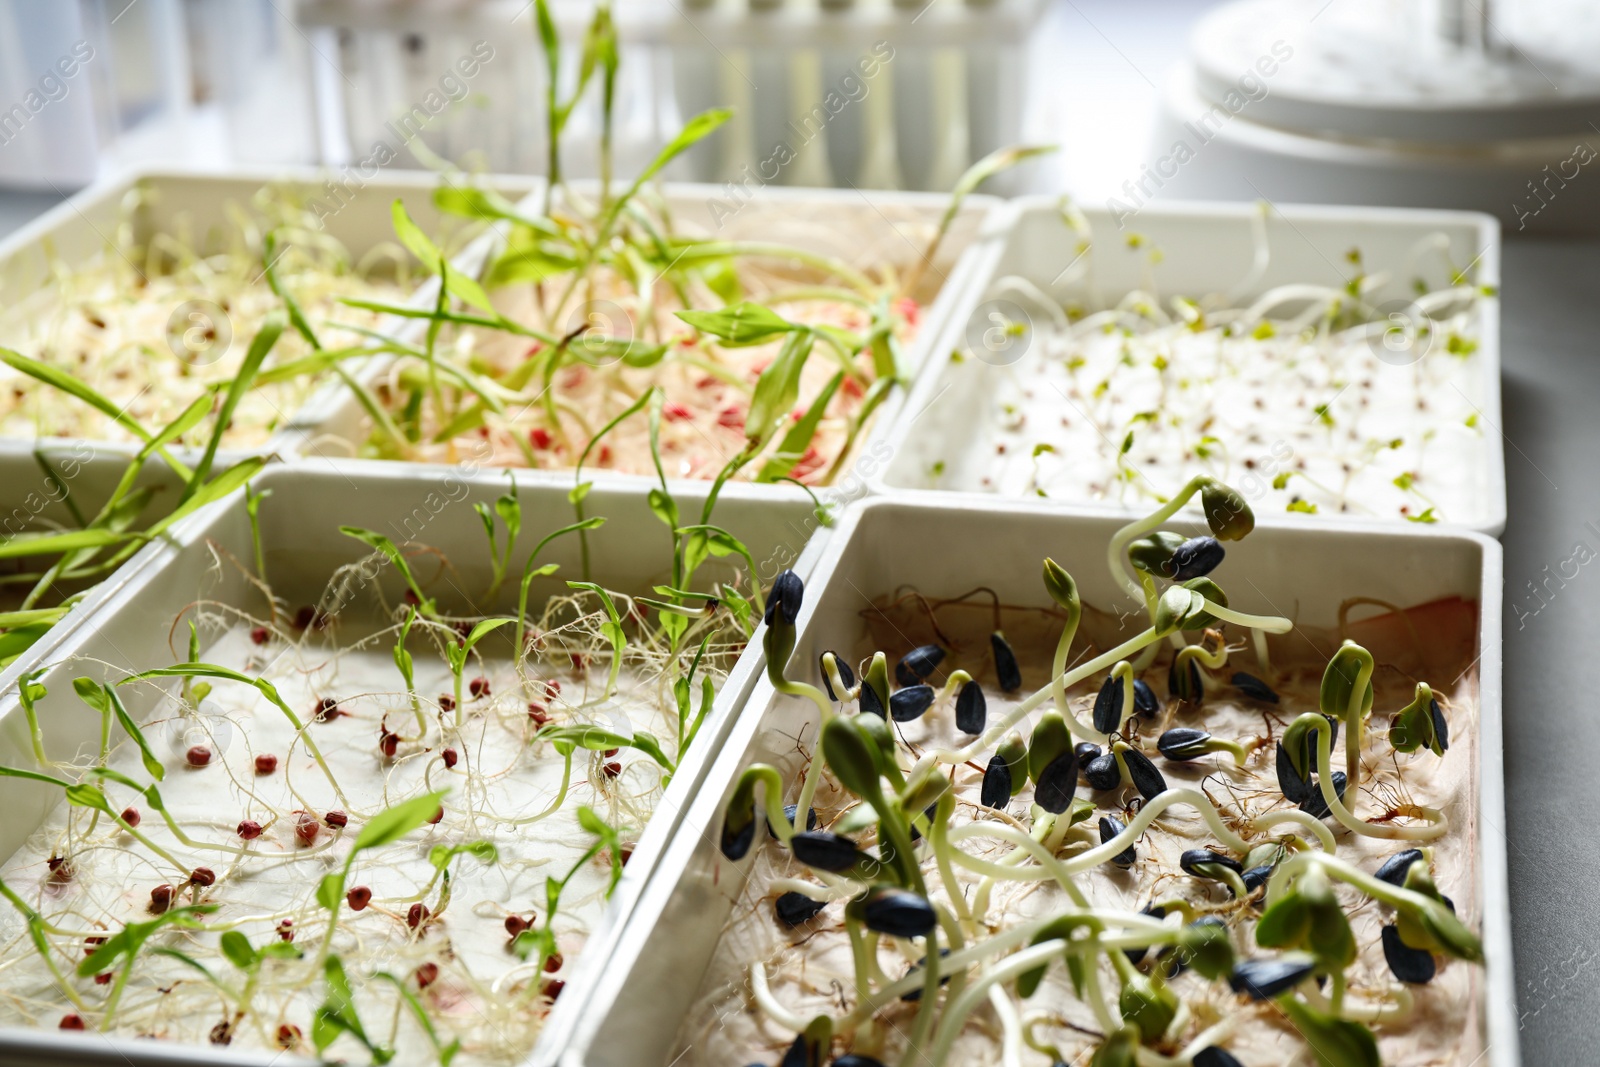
(1551, 426)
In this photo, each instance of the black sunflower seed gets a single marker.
(898, 913)
(1057, 782)
(850, 1059)
(1295, 788)
(846, 675)
(804, 1053)
(796, 908)
(1144, 699)
(1256, 877)
(916, 835)
(915, 666)
(908, 704)
(1212, 1056)
(825, 851)
(1110, 827)
(1085, 751)
(1265, 979)
(1203, 863)
(1108, 705)
(1146, 779)
(1395, 867)
(871, 703)
(1441, 729)
(996, 783)
(1408, 964)
(1315, 805)
(788, 593)
(737, 841)
(916, 994)
(1186, 685)
(1006, 671)
(972, 709)
(791, 810)
(1183, 743)
(1253, 687)
(1195, 558)
(1102, 772)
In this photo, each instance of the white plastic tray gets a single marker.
(92, 223)
(129, 630)
(885, 545)
(864, 229)
(1206, 248)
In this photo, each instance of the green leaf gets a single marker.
(236, 947)
(741, 324)
(271, 329)
(331, 889)
(418, 244)
(794, 444)
(1334, 1042)
(394, 823)
(131, 938)
(217, 488)
(530, 264)
(779, 386)
(22, 545)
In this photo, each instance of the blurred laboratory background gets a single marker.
(1444, 103)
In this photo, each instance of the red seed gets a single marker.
(222, 1033)
(417, 915)
(288, 1036)
(60, 870)
(537, 713)
(605, 455)
(305, 828)
(609, 753)
(249, 830)
(676, 412)
(612, 769)
(327, 710)
(131, 816)
(266, 763)
(427, 974)
(285, 930)
(411, 599)
(305, 617)
(337, 820)
(552, 963)
(203, 877)
(160, 899)
(539, 437)
(553, 988)
(478, 687)
(447, 702)
(358, 898)
(388, 744)
(515, 924)
(198, 756)
(103, 978)
(552, 690)
(449, 756)
(259, 635)
(93, 943)
(627, 854)
(70, 1022)
(437, 815)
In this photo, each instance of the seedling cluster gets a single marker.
(375, 833)
(1093, 872)
(1310, 399)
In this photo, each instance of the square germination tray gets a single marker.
(132, 627)
(1085, 258)
(884, 547)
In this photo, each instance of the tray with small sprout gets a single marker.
(1342, 362)
(352, 767)
(150, 287)
(776, 333)
(1142, 820)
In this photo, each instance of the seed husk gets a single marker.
(917, 665)
(1263, 979)
(972, 709)
(1007, 673)
(908, 705)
